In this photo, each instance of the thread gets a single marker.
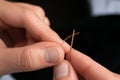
(72, 41)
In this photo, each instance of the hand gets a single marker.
(22, 27)
(85, 67)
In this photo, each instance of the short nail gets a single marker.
(52, 55)
(61, 70)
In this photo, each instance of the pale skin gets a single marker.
(27, 43)
(26, 39)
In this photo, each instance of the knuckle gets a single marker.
(28, 13)
(47, 21)
(26, 59)
(40, 10)
(28, 16)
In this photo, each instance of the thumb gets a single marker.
(33, 57)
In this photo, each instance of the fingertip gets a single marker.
(66, 47)
(61, 70)
(54, 54)
(64, 71)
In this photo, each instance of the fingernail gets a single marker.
(52, 54)
(61, 70)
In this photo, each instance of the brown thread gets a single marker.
(71, 36)
(72, 40)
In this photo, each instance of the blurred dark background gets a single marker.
(62, 12)
(99, 36)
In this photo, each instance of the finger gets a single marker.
(116, 75)
(26, 18)
(34, 57)
(64, 71)
(88, 68)
(38, 10)
(3, 26)
(2, 44)
(46, 20)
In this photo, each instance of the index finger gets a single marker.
(17, 16)
(88, 68)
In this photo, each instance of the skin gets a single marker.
(26, 40)
(83, 68)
